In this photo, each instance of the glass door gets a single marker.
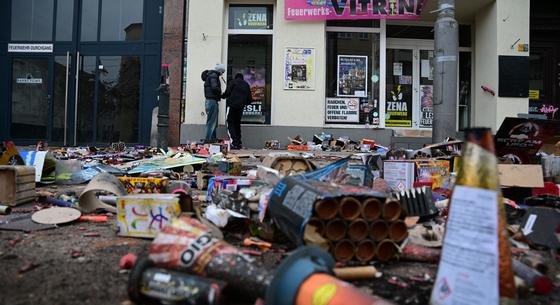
(426, 90)
(30, 98)
(400, 87)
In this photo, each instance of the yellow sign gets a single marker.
(534, 94)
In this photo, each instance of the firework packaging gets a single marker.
(519, 139)
(188, 245)
(293, 199)
(145, 215)
(148, 284)
(134, 185)
(476, 253)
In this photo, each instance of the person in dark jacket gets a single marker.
(212, 93)
(238, 94)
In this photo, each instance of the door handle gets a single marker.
(76, 98)
(66, 99)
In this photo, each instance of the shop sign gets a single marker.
(342, 110)
(28, 79)
(352, 76)
(30, 47)
(299, 69)
(248, 18)
(353, 9)
(398, 109)
(426, 105)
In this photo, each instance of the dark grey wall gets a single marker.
(256, 136)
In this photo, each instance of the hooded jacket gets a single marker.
(238, 93)
(212, 86)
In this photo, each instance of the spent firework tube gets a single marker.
(306, 278)
(148, 284)
(188, 245)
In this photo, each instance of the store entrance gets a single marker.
(84, 72)
(409, 87)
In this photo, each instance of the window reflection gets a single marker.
(119, 97)
(32, 20)
(64, 20)
(121, 20)
(90, 9)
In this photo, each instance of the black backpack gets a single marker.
(204, 75)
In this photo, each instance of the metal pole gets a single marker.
(163, 110)
(446, 45)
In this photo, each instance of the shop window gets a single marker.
(251, 55)
(32, 20)
(464, 90)
(250, 17)
(90, 16)
(64, 20)
(352, 78)
(121, 20)
(426, 32)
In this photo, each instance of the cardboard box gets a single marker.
(229, 183)
(17, 184)
(399, 174)
(516, 175)
(434, 171)
(145, 215)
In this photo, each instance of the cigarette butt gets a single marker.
(355, 273)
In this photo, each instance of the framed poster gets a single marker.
(352, 76)
(299, 69)
(342, 110)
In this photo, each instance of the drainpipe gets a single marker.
(446, 45)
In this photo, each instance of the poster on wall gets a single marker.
(353, 9)
(299, 69)
(398, 110)
(352, 76)
(256, 78)
(426, 105)
(342, 110)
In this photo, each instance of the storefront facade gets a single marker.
(361, 78)
(79, 72)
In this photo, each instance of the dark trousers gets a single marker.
(234, 124)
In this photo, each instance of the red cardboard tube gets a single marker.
(335, 229)
(344, 250)
(371, 209)
(365, 251)
(398, 231)
(358, 230)
(392, 210)
(349, 208)
(379, 230)
(386, 250)
(326, 209)
(322, 288)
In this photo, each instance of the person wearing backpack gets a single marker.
(238, 94)
(212, 93)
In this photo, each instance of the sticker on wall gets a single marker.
(534, 94)
(426, 105)
(398, 109)
(375, 78)
(299, 69)
(342, 110)
(397, 68)
(523, 47)
(405, 79)
(352, 76)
